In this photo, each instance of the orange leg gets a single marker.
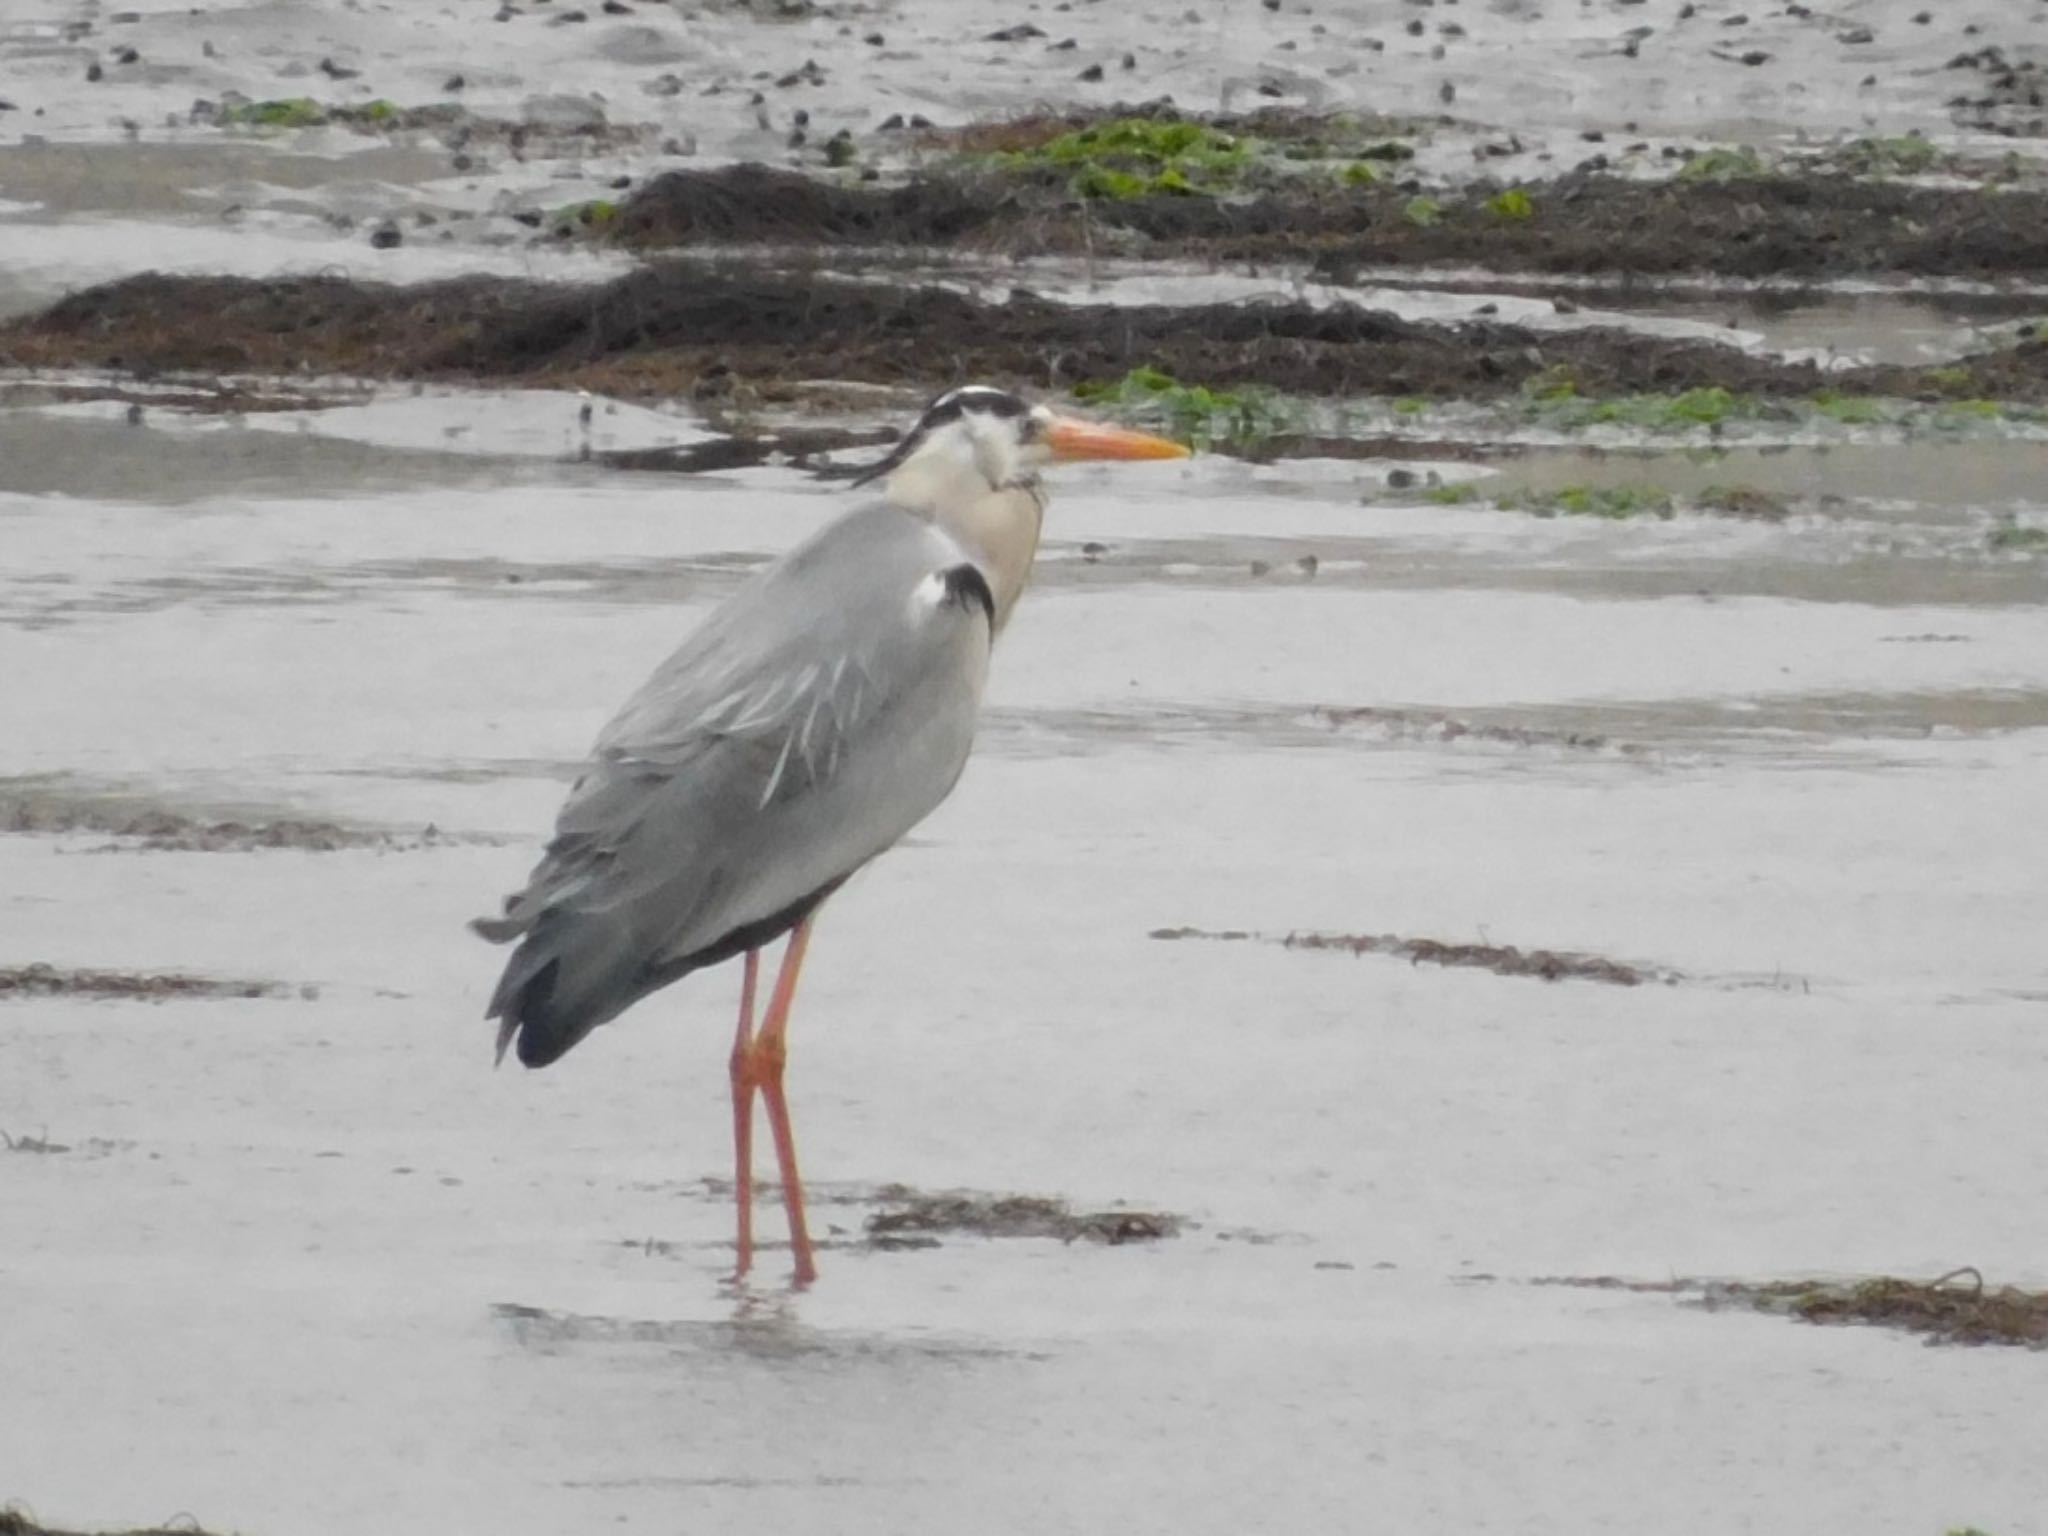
(771, 1052)
(744, 1082)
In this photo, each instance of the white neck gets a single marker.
(999, 527)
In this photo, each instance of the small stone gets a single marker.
(126, 56)
(334, 71)
(454, 83)
(94, 72)
(893, 123)
(1092, 73)
(386, 235)
(1022, 32)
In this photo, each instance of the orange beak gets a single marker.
(1071, 438)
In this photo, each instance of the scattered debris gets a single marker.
(1411, 724)
(49, 981)
(805, 448)
(41, 807)
(1501, 959)
(18, 1522)
(33, 1144)
(1954, 1308)
(913, 1219)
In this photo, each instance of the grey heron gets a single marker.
(814, 718)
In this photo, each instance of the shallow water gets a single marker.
(308, 1265)
(296, 1239)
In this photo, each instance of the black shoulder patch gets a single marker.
(965, 586)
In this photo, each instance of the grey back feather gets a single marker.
(814, 718)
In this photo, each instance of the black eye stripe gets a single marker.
(977, 397)
(949, 407)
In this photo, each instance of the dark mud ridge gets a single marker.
(1501, 959)
(913, 1219)
(1754, 226)
(52, 981)
(726, 335)
(1956, 1308)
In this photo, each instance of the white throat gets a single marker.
(998, 525)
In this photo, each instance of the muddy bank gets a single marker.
(914, 1219)
(1746, 226)
(55, 981)
(728, 337)
(1501, 959)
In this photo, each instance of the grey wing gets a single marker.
(809, 723)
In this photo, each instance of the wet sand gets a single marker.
(1169, 1235)
(324, 1209)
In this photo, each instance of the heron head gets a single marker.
(975, 439)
